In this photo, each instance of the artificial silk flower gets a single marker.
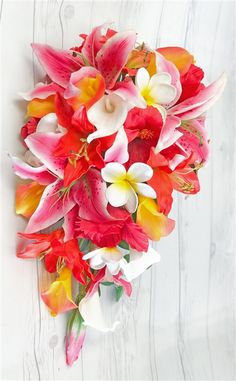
(153, 223)
(156, 90)
(108, 115)
(114, 129)
(58, 297)
(125, 185)
(111, 257)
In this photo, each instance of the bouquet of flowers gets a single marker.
(114, 128)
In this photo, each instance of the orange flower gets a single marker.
(28, 197)
(38, 108)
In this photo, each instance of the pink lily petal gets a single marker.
(32, 250)
(90, 197)
(42, 91)
(75, 337)
(69, 221)
(93, 44)
(72, 90)
(118, 152)
(115, 50)
(58, 64)
(122, 282)
(43, 145)
(129, 92)
(194, 139)
(163, 65)
(169, 134)
(52, 207)
(25, 171)
(197, 105)
(177, 159)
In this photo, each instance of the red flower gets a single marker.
(142, 127)
(191, 82)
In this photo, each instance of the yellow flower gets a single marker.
(153, 223)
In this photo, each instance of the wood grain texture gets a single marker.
(179, 322)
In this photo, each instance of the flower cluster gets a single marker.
(113, 130)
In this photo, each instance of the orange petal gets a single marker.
(38, 108)
(154, 223)
(91, 90)
(58, 297)
(28, 197)
(180, 57)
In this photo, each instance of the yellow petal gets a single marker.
(28, 197)
(153, 223)
(58, 297)
(38, 108)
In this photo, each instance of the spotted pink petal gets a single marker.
(58, 64)
(25, 171)
(90, 197)
(93, 44)
(43, 146)
(42, 91)
(169, 134)
(197, 105)
(52, 207)
(113, 55)
(163, 65)
(118, 152)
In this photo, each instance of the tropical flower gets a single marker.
(126, 184)
(111, 257)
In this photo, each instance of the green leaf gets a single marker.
(107, 283)
(119, 292)
(124, 245)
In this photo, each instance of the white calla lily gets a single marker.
(107, 115)
(156, 90)
(125, 185)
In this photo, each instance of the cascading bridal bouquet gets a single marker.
(111, 132)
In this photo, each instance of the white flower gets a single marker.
(111, 257)
(49, 123)
(125, 185)
(107, 115)
(156, 90)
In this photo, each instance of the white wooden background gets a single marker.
(179, 322)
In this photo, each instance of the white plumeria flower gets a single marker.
(125, 185)
(107, 115)
(157, 90)
(111, 257)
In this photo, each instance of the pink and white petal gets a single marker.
(118, 194)
(136, 267)
(163, 65)
(43, 146)
(139, 172)
(169, 135)
(42, 91)
(142, 78)
(129, 92)
(69, 223)
(122, 282)
(52, 207)
(47, 123)
(132, 202)
(91, 311)
(25, 171)
(145, 190)
(116, 49)
(206, 97)
(118, 152)
(113, 172)
(58, 64)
